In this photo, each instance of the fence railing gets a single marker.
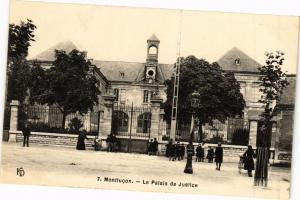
(50, 119)
(233, 131)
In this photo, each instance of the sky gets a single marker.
(120, 33)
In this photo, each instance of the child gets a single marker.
(210, 155)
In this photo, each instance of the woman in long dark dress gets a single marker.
(80, 141)
(219, 156)
(249, 156)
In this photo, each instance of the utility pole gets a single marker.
(176, 85)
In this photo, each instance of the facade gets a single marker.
(132, 92)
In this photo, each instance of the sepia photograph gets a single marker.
(149, 100)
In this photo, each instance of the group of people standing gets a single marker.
(175, 151)
(153, 147)
(211, 154)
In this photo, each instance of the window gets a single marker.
(120, 122)
(122, 74)
(146, 96)
(116, 93)
(237, 61)
(144, 123)
(122, 96)
(152, 50)
(255, 94)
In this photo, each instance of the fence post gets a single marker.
(155, 117)
(253, 132)
(13, 126)
(106, 120)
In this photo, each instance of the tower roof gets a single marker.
(153, 38)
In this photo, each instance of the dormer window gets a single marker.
(237, 61)
(122, 74)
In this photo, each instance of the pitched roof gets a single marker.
(246, 63)
(153, 38)
(130, 71)
(49, 54)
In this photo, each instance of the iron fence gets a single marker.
(51, 119)
(232, 131)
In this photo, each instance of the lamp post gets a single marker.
(195, 101)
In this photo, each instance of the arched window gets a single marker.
(144, 123)
(120, 122)
(152, 50)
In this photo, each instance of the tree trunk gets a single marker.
(261, 170)
(262, 152)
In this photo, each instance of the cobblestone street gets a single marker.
(67, 167)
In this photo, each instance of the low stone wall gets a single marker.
(55, 139)
(232, 153)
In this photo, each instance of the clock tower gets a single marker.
(152, 59)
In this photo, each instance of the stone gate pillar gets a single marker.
(106, 118)
(13, 126)
(155, 118)
(253, 132)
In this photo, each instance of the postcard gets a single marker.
(149, 100)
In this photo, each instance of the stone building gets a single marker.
(131, 94)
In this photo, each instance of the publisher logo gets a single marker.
(20, 172)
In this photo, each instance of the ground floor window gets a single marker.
(144, 123)
(120, 122)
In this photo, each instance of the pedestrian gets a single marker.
(109, 143)
(198, 150)
(168, 148)
(219, 156)
(114, 142)
(177, 151)
(210, 155)
(202, 153)
(172, 152)
(182, 151)
(155, 147)
(26, 134)
(80, 141)
(150, 147)
(190, 153)
(249, 156)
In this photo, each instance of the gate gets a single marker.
(132, 126)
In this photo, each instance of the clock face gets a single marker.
(150, 72)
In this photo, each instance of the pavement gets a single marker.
(58, 166)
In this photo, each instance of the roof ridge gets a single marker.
(129, 62)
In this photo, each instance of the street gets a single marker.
(58, 166)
